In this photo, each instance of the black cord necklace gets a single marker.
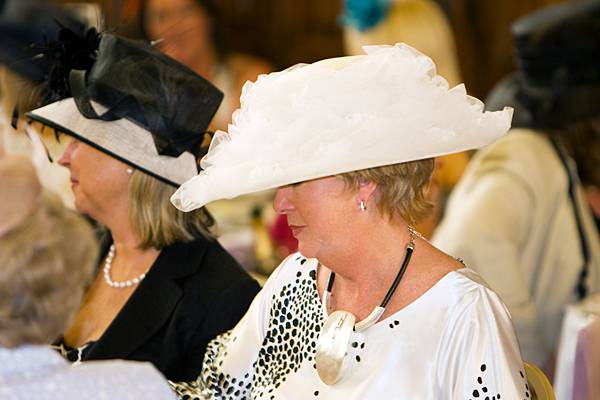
(334, 338)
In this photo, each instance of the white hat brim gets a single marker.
(121, 139)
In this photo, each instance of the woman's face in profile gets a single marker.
(99, 182)
(183, 26)
(319, 213)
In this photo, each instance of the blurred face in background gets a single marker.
(184, 27)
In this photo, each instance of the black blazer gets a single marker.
(193, 292)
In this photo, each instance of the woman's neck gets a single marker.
(367, 268)
(371, 252)
(130, 259)
(126, 242)
(125, 238)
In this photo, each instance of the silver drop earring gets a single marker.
(129, 171)
(363, 206)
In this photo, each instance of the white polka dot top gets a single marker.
(456, 341)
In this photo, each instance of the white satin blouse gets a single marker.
(456, 341)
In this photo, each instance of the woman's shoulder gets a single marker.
(465, 280)
(469, 293)
(214, 281)
(468, 279)
(208, 266)
(455, 284)
(209, 254)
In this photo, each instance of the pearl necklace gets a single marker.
(107, 267)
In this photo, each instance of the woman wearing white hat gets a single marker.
(165, 287)
(367, 309)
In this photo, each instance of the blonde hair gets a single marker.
(156, 221)
(46, 263)
(401, 188)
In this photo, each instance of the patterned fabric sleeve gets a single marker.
(479, 356)
(224, 377)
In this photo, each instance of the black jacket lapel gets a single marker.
(150, 306)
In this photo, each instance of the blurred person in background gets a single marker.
(22, 74)
(164, 286)
(523, 214)
(423, 25)
(190, 32)
(367, 309)
(47, 258)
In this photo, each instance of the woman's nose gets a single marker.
(281, 202)
(65, 157)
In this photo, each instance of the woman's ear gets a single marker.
(366, 189)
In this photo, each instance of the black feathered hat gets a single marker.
(24, 23)
(139, 106)
(557, 52)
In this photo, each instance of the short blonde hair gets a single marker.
(156, 221)
(46, 263)
(401, 188)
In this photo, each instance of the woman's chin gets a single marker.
(81, 206)
(307, 250)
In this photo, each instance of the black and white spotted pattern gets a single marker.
(295, 320)
(272, 352)
(482, 392)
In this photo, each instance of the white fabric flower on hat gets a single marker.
(339, 115)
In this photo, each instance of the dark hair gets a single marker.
(581, 140)
(213, 12)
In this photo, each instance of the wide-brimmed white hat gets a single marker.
(121, 139)
(340, 115)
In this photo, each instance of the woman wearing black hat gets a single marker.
(165, 287)
(23, 22)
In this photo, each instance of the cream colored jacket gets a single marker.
(511, 219)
